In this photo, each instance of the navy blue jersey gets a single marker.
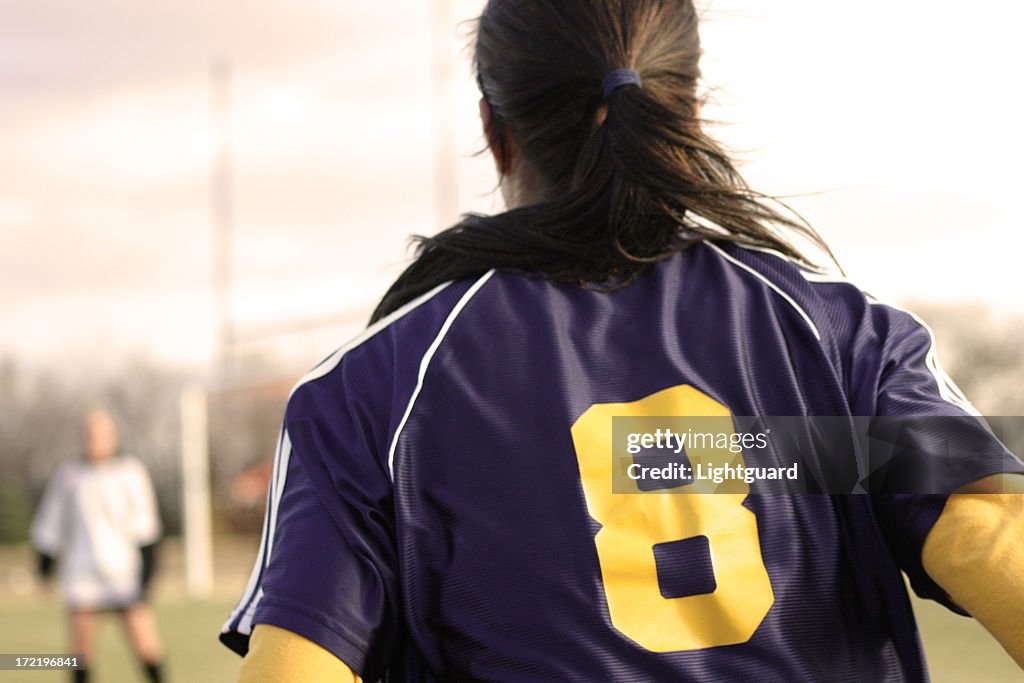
(437, 510)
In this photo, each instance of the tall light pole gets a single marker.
(195, 434)
(445, 170)
(221, 211)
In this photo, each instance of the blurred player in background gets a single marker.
(441, 506)
(98, 525)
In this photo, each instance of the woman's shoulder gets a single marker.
(830, 303)
(846, 318)
(393, 348)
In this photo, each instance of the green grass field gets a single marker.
(188, 629)
(33, 621)
(958, 649)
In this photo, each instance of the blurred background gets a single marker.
(198, 201)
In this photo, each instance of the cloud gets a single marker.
(106, 131)
(105, 193)
(61, 49)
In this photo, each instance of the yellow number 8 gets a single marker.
(633, 524)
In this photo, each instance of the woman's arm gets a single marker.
(280, 656)
(975, 552)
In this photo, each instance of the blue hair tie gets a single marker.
(618, 78)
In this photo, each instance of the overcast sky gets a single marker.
(906, 115)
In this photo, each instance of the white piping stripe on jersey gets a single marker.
(332, 361)
(773, 286)
(246, 607)
(257, 567)
(809, 267)
(282, 475)
(948, 389)
(427, 357)
(834, 278)
(245, 625)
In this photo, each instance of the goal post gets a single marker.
(196, 508)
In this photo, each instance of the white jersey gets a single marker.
(94, 517)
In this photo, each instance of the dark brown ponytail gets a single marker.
(628, 180)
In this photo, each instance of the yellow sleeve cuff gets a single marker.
(280, 656)
(975, 552)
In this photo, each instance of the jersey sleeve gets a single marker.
(47, 530)
(328, 571)
(935, 438)
(328, 567)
